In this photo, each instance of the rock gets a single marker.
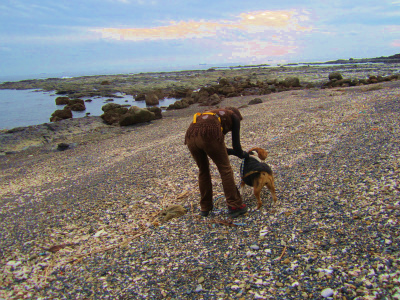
(113, 113)
(62, 100)
(76, 101)
(180, 104)
(173, 211)
(254, 247)
(212, 100)
(180, 93)
(110, 106)
(140, 97)
(156, 110)
(291, 82)
(328, 292)
(152, 99)
(228, 91)
(335, 76)
(223, 82)
(117, 114)
(61, 114)
(76, 105)
(255, 101)
(199, 288)
(62, 146)
(201, 96)
(65, 146)
(136, 115)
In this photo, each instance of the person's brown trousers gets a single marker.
(201, 148)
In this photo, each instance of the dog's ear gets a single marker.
(262, 154)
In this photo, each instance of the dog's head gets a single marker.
(261, 153)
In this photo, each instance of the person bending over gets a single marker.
(205, 138)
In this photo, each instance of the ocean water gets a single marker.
(20, 108)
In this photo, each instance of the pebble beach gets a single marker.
(85, 223)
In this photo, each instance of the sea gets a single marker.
(20, 108)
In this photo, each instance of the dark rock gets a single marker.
(61, 114)
(76, 101)
(62, 146)
(62, 100)
(202, 96)
(110, 106)
(113, 113)
(77, 107)
(179, 104)
(61, 92)
(272, 88)
(180, 93)
(223, 82)
(273, 81)
(373, 79)
(227, 90)
(140, 97)
(335, 76)
(136, 115)
(156, 110)
(152, 99)
(291, 82)
(252, 91)
(255, 101)
(212, 100)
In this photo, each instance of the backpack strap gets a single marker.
(206, 113)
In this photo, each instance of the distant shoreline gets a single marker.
(200, 67)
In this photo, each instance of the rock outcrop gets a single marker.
(61, 114)
(152, 99)
(255, 101)
(62, 100)
(115, 114)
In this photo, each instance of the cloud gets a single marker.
(395, 43)
(247, 23)
(257, 50)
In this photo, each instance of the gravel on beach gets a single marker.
(84, 223)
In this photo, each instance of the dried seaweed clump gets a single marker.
(172, 211)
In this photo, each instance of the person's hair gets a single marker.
(236, 112)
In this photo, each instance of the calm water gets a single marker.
(29, 107)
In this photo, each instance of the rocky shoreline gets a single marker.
(212, 87)
(82, 223)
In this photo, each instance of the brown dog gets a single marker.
(257, 174)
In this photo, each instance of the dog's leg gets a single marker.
(242, 186)
(258, 185)
(271, 186)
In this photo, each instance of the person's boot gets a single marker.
(236, 212)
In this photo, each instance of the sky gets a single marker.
(88, 37)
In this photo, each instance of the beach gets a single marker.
(84, 223)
